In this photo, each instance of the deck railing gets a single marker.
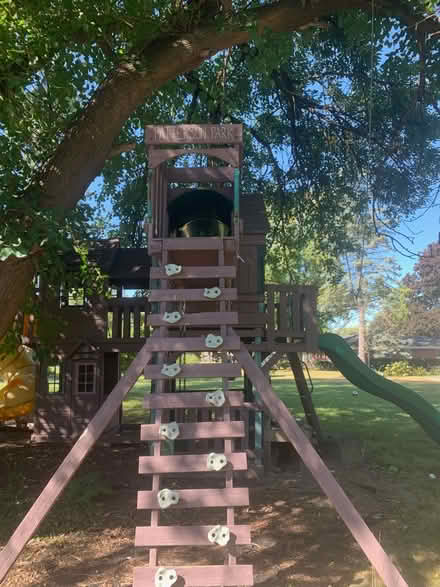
(285, 316)
(127, 319)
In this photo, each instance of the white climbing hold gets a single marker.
(216, 462)
(165, 577)
(212, 341)
(167, 497)
(172, 317)
(355, 393)
(172, 269)
(216, 398)
(219, 535)
(171, 370)
(212, 292)
(170, 431)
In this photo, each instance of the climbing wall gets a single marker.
(209, 458)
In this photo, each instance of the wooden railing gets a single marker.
(286, 316)
(127, 319)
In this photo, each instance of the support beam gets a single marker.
(59, 480)
(354, 522)
(305, 395)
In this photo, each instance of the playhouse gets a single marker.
(185, 203)
(203, 274)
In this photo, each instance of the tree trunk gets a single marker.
(305, 395)
(362, 344)
(15, 279)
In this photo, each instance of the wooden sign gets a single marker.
(193, 134)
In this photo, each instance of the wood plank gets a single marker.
(176, 134)
(197, 430)
(158, 156)
(185, 535)
(228, 271)
(196, 371)
(57, 483)
(206, 576)
(191, 343)
(252, 318)
(198, 498)
(187, 463)
(188, 400)
(354, 522)
(282, 347)
(200, 174)
(189, 295)
(198, 319)
(196, 243)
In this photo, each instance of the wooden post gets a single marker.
(305, 395)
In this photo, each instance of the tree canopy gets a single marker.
(340, 102)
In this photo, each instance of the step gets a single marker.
(187, 400)
(185, 535)
(198, 498)
(189, 295)
(199, 243)
(223, 271)
(191, 343)
(188, 464)
(199, 430)
(197, 319)
(206, 576)
(196, 371)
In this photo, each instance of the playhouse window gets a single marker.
(54, 379)
(76, 296)
(86, 378)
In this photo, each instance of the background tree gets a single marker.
(424, 294)
(79, 80)
(370, 272)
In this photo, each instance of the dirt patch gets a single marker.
(297, 538)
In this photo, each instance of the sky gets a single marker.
(423, 231)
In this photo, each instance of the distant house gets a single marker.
(415, 347)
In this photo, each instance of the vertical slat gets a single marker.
(270, 314)
(118, 314)
(126, 333)
(154, 520)
(137, 321)
(283, 317)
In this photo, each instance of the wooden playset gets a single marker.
(206, 294)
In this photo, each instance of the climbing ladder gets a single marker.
(216, 428)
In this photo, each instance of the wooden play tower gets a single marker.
(207, 294)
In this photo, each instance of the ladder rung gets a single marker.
(189, 295)
(199, 243)
(197, 319)
(191, 343)
(198, 430)
(187, 400)
(198, 498)
(188, 463)
(207, 576)
(185, 535)
(196, 272)
(196, 371)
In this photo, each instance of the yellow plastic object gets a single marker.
(17, 384)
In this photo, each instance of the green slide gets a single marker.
(353, 369)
